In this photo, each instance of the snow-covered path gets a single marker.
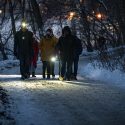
(83, 102)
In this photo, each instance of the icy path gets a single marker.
(38, 102)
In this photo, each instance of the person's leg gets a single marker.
(72, 70)
(27, 67)
(44, 68)
(22, 70)
(48, 70)
(33, 71)
(31, 68)
(63, 68)
(52, 69)
(76, 60)
(69, 69)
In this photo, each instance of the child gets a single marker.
(35, 57)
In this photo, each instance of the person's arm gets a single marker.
(80, 46)
(31, 44)
(55, 41)
(41, 45)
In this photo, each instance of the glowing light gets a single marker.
(53, 59)
(0, 11)
(99, 16)
(71, 15)
(81, 1)
(24, 24)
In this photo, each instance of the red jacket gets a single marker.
(35, 53)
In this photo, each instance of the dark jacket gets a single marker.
(78, 46)
(23, 44)
(66, 46)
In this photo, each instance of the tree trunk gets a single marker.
(12, 17)
(2, 49)
(37, 15)
(86, 26)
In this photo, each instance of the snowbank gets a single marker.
(115, 77)
(8, 64)
(86, 53)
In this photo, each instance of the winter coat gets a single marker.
(47, 47)
(23, 44)
(78, 46)
(66, 46)
(35, 53)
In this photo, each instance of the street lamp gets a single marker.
(71, 15)
(99, 16)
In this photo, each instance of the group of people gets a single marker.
(68, 48)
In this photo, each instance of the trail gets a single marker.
(82, 102)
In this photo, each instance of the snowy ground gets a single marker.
(82, 102)
(115, 77)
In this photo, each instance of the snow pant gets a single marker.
(75, 66)
(66, 68)
(52, 65)
(46, 66)
(25, 66)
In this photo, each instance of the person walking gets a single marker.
(77, 52)
(66, 48)
(35, 57)
(47, 49)
(23, 49)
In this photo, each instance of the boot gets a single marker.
(44, 77)
(33, 74)
(48, 76)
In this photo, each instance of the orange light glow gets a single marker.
(99, 16)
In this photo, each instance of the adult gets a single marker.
(23, 49)
(47, 48)
(35, 57)
(77, 52)
(66, 48)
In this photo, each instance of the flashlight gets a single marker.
(53, 59)
(0, 11)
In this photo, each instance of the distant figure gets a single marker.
(47, 48)
(66, 48)
(23, 50)
(35, 57)
(77, 52)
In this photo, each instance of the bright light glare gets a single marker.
(24, 24)
(53, 59)
(99, 16)
(0, 11)
(72, 14)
